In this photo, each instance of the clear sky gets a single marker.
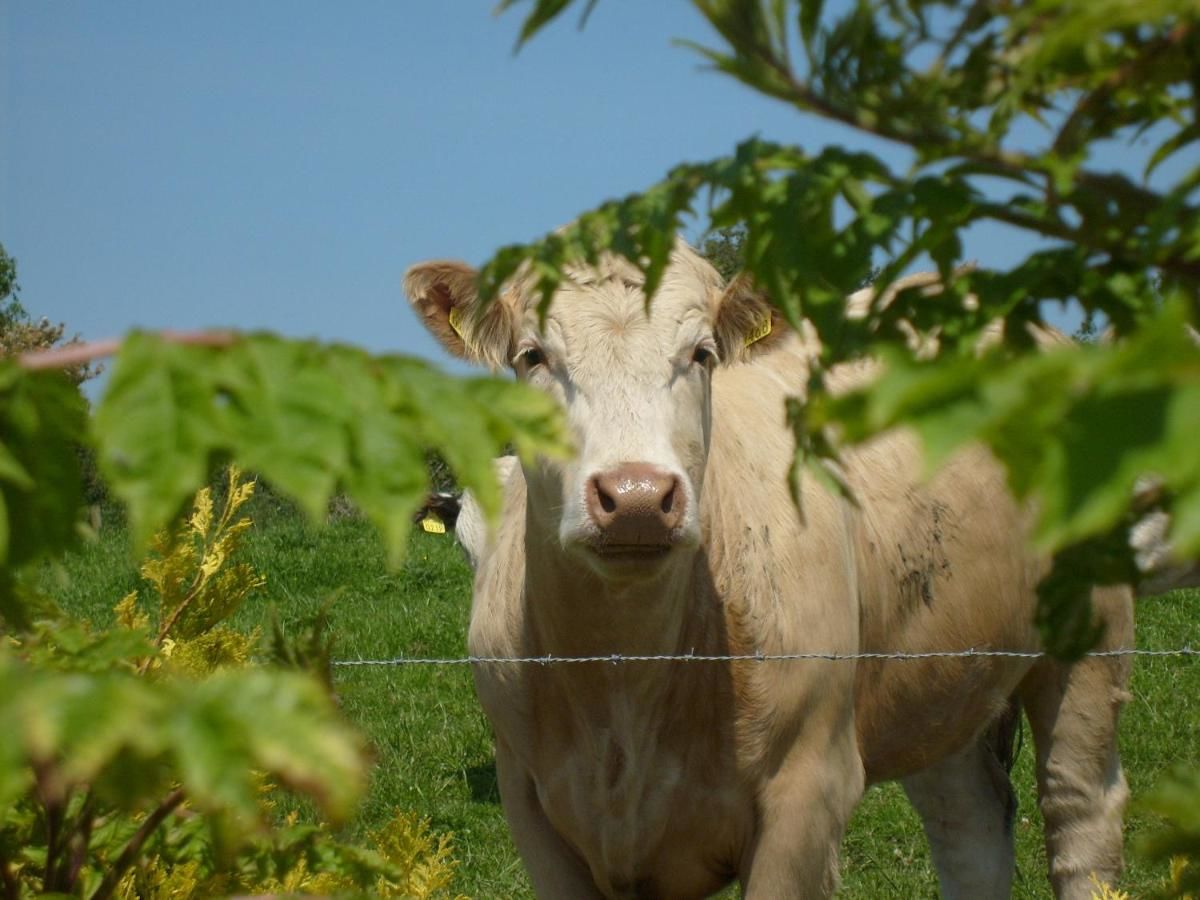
(278, 165)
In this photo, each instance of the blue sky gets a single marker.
(278, 165)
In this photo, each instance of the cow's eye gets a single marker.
(531, 357)
(704, 355)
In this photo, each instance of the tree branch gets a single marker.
(53, 796)
(1013, 163)
(1066, 142)
(76, 839)
(133, 849)
(90, 351)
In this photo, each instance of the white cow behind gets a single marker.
(672, 532)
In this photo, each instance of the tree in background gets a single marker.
(10, 306)
(725, 248)
(19, 333)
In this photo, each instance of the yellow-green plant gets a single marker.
(1102, 890)
(1179, 871)
(403, 859)
(148, 757)
(199, 586)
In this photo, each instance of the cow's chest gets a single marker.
(653, 807)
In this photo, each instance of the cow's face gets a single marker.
(635, 384)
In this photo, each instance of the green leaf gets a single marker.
(42, 423)
(309, 418)
(810, 18)
(542, 14)
(1175, 142)
(157, 427)
(1176, 798)
(289, 406)
(116, 728)
(282, 723)
(14, 774)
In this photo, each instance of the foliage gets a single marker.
(148, 755)
(309, 418)
(725, 248)
(10, 304)
(1177, 799)
(198, 585)
(140, 754)
(41, 418)
(403, 859)
(21, 334)
(1102, 890)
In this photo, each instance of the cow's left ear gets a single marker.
(745, 324)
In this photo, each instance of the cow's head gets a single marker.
(635, 384)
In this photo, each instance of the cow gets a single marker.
(672, 532)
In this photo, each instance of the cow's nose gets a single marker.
(636, 503)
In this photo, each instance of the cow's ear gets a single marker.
(444, 295)
(745, 324)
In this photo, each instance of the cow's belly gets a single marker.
(909, 719)
(912, 713)
(664, 826)
(942, 567)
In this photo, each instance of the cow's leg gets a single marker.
(1073, 714)
(554, 868)
(966, 804)
(803, 814)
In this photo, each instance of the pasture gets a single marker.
(432, 746)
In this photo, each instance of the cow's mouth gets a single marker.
(630, 554)
(649, 551)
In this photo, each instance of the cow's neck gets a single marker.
(576, 612)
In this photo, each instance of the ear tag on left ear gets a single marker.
(456, 323)
(455, 320)
(432, 523)
(761, 330)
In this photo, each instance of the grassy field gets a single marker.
(432, 745)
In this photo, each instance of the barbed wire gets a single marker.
(619, 658)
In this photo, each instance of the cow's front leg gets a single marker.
(554, 868)
(804, 810)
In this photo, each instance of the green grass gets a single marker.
(432, 745)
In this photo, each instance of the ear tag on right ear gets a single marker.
(761, 330)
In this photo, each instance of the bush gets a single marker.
(148, 755)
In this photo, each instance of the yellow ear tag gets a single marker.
(456, 323)
(761, 330)
(433, 524)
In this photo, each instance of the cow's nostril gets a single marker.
(636, 503)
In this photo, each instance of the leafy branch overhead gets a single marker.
(311, 418)
(999, 109)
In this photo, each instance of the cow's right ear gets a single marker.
(444, 295)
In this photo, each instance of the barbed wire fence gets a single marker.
(759, 657)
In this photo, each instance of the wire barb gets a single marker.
(757, 656)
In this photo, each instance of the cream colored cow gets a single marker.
(672, 532)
